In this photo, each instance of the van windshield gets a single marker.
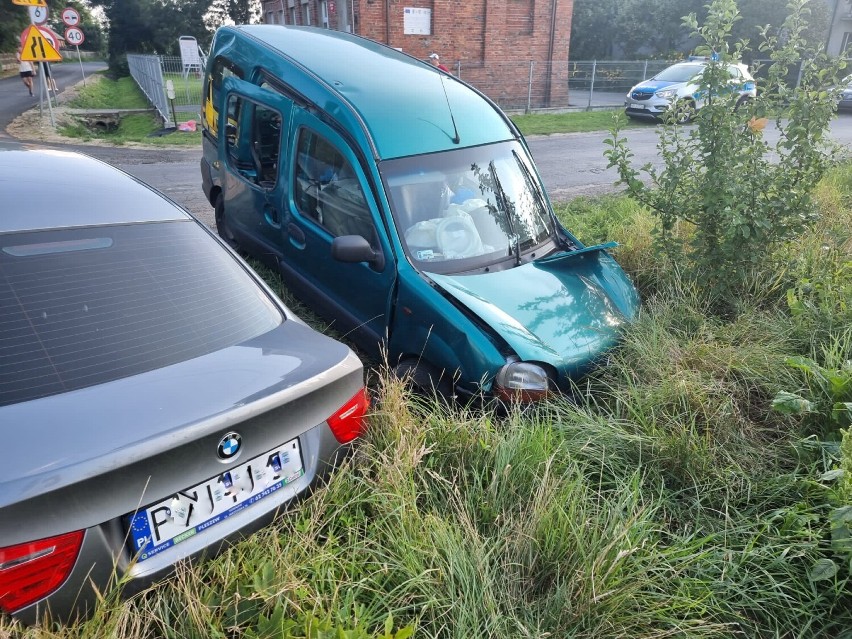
(467, 208)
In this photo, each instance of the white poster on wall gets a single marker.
(417, 21)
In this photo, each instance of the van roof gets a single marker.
(402, 101)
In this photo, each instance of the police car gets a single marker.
(678, 87)
(844, 101)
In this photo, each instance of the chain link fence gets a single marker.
(153, 73)
(525, 86)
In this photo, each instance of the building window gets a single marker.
(280, 16)
(306, 13)
(293, 15)
(847, 42)
(270, 18)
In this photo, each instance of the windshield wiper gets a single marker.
(508, 210)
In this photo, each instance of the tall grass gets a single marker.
(663, 498)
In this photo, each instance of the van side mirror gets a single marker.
(354, 249)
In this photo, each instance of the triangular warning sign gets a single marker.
(38, 47)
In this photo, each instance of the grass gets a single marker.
(105, 93)
(123, 93)
(665, 498)
(573, 122)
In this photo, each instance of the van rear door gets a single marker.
(253, 129)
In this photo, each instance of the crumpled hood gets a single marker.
(564, 310)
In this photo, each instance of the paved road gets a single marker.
(14, 98)
(571, 164)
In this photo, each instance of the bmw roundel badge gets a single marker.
(229, 446)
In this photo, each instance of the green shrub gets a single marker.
(725, 198)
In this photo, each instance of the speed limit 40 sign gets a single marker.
(74, 36)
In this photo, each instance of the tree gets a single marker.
(240, 11)
(151, 26)
(726, 198)
(89, 24)
(631, 28)
(13, 20)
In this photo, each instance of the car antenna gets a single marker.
(456, 139)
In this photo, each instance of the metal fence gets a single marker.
(525, 86)
(153, 73)
(515, 86)
(604, 83)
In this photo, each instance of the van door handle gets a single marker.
(270, 213)
(297, 235)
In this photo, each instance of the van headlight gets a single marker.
(666, 94)
(521, 382)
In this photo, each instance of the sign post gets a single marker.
(73, 34)
(40, 46)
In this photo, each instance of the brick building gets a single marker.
(514, 51)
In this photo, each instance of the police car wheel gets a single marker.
(684, 111)
(743, 101)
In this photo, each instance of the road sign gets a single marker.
(74, 36)
(70, 16)
(38, 46)
(38, 15)
(30, 3)
(46, 31)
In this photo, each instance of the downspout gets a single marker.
(387, 23)
(550, 45)
(831, 26)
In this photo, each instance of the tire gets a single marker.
(683, 111)
(423, 378)
(743, 101)
(222, 227)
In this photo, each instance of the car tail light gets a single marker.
(521, 382)
(348, 422)
(31, 571)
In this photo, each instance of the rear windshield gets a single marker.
(80, 307)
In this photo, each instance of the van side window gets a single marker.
(327, 189)
(254, 141)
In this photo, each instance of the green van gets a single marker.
(403, 206)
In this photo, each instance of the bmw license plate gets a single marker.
(185, 514)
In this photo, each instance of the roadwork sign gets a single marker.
(38, 46)
(30, 3)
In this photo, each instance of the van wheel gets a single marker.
(423, 378)
(684, 111)
(222, 226)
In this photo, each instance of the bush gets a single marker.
(726, 199)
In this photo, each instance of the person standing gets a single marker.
(435, 59)
(51, 83)
(25, 68)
